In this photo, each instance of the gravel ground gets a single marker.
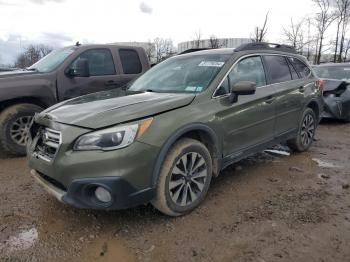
(265, 208)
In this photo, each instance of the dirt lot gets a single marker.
(266, 208)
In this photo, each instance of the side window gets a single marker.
(100, 62)
(300, 67)
(292, 70)
(248, 69)
(130, 61)
(277, 68)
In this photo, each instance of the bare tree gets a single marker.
(164, 48)
(323, 20)
(343, 15)
(31, 55)
(346, 49)
(150, 50)
(214, 42)
(197, 39)
(260, 32)
(309, 38)
(295, 35)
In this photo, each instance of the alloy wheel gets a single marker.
(188, 178)
(19, 130)
(307, 130)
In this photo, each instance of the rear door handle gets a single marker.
(302, 89)
(110, 83)
(270, 99)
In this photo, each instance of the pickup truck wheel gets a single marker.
(306, 132)
(184, 178)
(14, 126)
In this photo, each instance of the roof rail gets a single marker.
(193, 50)
(266, 46)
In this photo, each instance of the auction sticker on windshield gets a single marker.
(211, 63)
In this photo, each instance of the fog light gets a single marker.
(103, 195)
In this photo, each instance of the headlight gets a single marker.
(111, 138)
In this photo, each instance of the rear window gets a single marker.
(277, 68)
(130, 61)
(300, 67)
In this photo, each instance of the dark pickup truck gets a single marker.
(63, 74)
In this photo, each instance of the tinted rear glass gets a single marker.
(277, 68)
(300, 67)
(130, 61)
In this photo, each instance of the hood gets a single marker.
(17, 73)
(113, 107)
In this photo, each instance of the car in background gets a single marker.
(336, 90)
(63, 74)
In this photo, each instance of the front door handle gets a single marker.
(270, 99)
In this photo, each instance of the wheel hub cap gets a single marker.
(307, 130)
(188, 178)
(19, 130)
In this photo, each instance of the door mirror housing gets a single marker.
(242, 88)
(81, 69)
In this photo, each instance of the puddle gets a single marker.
(22, 241)
(325, 164)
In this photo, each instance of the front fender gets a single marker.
(175, 136)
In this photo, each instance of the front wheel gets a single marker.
(306, 132)
(14, 127)
(184, 178)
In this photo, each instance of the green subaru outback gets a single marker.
(163, 138)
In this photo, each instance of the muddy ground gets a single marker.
(266, 208)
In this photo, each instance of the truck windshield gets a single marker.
(52, 60)
(188, 73)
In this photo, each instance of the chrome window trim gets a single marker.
(256, 54)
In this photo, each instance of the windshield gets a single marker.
(52, 60)
(333, 72)
(181, 74)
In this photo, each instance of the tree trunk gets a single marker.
(319, 50)
(336, 42)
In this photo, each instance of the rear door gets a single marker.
(103, 75)
(249, 122)
(131, 63)
(288, 88)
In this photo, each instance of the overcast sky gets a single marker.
(63, 22)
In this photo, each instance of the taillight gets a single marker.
(319, 84)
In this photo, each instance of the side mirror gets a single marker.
(242, 88)
(81, 69)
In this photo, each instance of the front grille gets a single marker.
(48, 143)
(52, 181)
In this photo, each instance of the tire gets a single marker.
(306, 132)
(14, 123)
(171, 201)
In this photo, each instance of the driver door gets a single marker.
(102, 76)
(248, 122)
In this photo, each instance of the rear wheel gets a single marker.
(14, 127)
(306, 132)
(184, 178)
